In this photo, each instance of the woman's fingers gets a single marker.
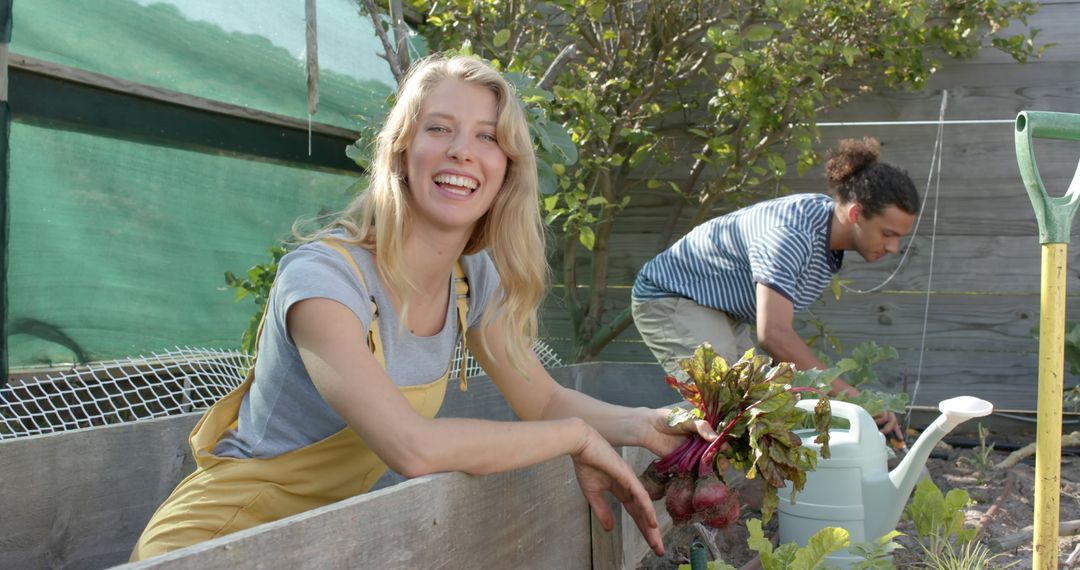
(599, 468)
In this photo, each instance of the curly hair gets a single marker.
(855, 174)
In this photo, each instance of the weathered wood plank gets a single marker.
(79, 499)
(967, 205)
(955, 321)
(970, 264)
(529, 518)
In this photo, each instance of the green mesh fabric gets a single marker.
(244, 52)
(119, 248)
(118, 244)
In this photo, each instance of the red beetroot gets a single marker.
(680, 499)
(655, 484)
(715, 504)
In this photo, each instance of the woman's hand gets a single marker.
(599, 468)
(662, 439)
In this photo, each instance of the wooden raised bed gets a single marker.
(79, 499)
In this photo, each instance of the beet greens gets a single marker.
(751, 405)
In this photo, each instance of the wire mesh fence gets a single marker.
(176, 381)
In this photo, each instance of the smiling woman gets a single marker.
(445, 247)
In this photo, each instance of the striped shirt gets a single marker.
(781, 243)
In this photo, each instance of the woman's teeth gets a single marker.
(460, 185)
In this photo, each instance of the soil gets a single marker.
(950, 468)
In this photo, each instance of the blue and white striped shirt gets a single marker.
(782, 243)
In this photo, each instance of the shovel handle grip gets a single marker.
(1054, 215)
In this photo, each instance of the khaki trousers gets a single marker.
(672, 327)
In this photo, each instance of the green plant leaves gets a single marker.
(935, 514)
(754, 411)
(790, 556)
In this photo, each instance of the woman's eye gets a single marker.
(438, 129)
(490, 138)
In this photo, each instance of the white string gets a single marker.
(906, 123)
(935, 161)
(930, 271)
(309, 134)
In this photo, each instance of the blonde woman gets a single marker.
(363, 319)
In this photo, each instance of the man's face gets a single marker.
(879, 235)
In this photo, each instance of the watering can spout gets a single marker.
(892, 491)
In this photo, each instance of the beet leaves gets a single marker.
(751, 404)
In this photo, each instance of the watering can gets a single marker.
(854, 489)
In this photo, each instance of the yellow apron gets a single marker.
(224, 494)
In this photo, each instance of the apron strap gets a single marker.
(461, 295)
(374, 340)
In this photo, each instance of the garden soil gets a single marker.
(950, 467)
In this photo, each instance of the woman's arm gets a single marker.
(537, 396)
(332, 344)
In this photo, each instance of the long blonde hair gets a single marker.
(511, 230)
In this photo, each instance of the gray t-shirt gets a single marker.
(283, 410)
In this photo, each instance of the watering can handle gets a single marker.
(1054, 215)
(863, 427)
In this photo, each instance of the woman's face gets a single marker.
(454, 164)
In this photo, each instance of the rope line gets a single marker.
(933, 240)
(907, 123)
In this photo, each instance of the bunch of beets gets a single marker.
(751, 405)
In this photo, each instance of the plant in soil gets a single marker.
(751, 405)
(939, 523)
(981, 458)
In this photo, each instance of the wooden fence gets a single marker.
(973, 333)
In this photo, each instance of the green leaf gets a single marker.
(501, 37)
(587, 237)
(596, 9)
(561, 142)
(849, 53)
(823, 543)
(549, 183)
(638, 156)
(550, 202)
(759, 33)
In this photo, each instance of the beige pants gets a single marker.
(672, 327)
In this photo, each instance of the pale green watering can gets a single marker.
(854, 488)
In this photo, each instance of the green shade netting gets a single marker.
(244, 52)
(119, 248)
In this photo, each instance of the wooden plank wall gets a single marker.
(978, 229)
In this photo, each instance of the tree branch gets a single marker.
(561, 61)
(389, 56)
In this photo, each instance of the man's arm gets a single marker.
(777, 336)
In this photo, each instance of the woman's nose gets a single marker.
(459, 149)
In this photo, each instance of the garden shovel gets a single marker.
(1054, 216)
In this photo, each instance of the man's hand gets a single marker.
(888, 424)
